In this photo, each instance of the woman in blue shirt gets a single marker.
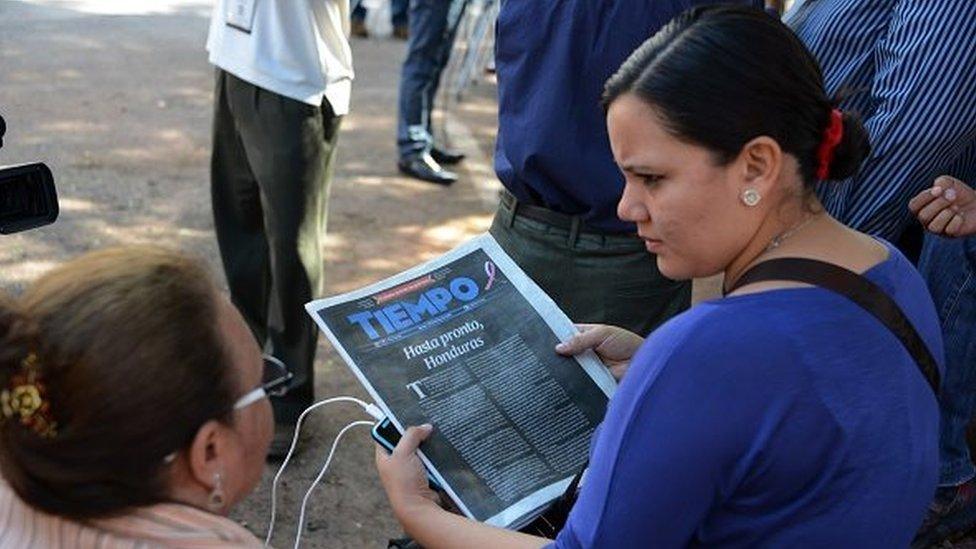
(783, 414)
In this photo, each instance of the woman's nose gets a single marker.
(630, 208)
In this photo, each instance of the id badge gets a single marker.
(240, 14)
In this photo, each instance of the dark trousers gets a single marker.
(270, 173)
(594, 278)
(433, 26)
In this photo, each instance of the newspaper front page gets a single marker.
(465, 343)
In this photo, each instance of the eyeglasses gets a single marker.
(274, 382)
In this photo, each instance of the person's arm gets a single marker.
(924, 92)
(947, 209)
(415, 504)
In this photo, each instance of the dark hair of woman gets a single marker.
(109, 364)
(718, 83)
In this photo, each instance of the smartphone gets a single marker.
(27, 198)
(387, 436)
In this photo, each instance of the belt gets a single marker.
(567, 222)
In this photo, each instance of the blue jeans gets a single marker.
(433, 26)
(949, 267)
(398, 16)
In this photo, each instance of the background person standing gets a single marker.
(948, 211)
(909, 68)
(433, 26)
(284, 77)
(558, 214)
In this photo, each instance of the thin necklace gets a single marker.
(777, 240)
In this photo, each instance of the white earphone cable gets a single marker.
(370, 409)
(325, 468)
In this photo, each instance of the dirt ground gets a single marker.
(116, 97)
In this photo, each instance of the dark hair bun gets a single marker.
(721, 75)
(854, 147)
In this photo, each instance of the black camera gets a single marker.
(27, 196)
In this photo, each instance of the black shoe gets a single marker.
(422, 166)
(281, 443)
(446, 157)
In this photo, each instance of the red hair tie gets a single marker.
(831, 138)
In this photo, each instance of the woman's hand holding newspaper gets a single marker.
(402, 473)
(615, 346)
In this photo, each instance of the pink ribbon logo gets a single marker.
(490, 271)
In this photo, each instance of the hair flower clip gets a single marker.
(25, 400)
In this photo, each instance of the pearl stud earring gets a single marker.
(751, 197)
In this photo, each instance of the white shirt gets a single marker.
(296, 48)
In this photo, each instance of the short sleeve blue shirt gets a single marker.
(787, 418)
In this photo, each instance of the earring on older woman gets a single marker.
(216, 501)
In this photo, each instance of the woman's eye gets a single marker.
(650, 179)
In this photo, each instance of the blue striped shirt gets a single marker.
(908, 67)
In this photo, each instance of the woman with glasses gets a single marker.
(132, 406)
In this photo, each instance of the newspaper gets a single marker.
(465, 343)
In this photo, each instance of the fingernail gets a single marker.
(935, 191)
(950, 194)
(561, 346)
(427, 427)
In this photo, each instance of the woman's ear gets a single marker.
(761, 160)
(207, 453)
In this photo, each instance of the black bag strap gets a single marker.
(831, 277)
(858, 289)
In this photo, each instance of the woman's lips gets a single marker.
(653, 245)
